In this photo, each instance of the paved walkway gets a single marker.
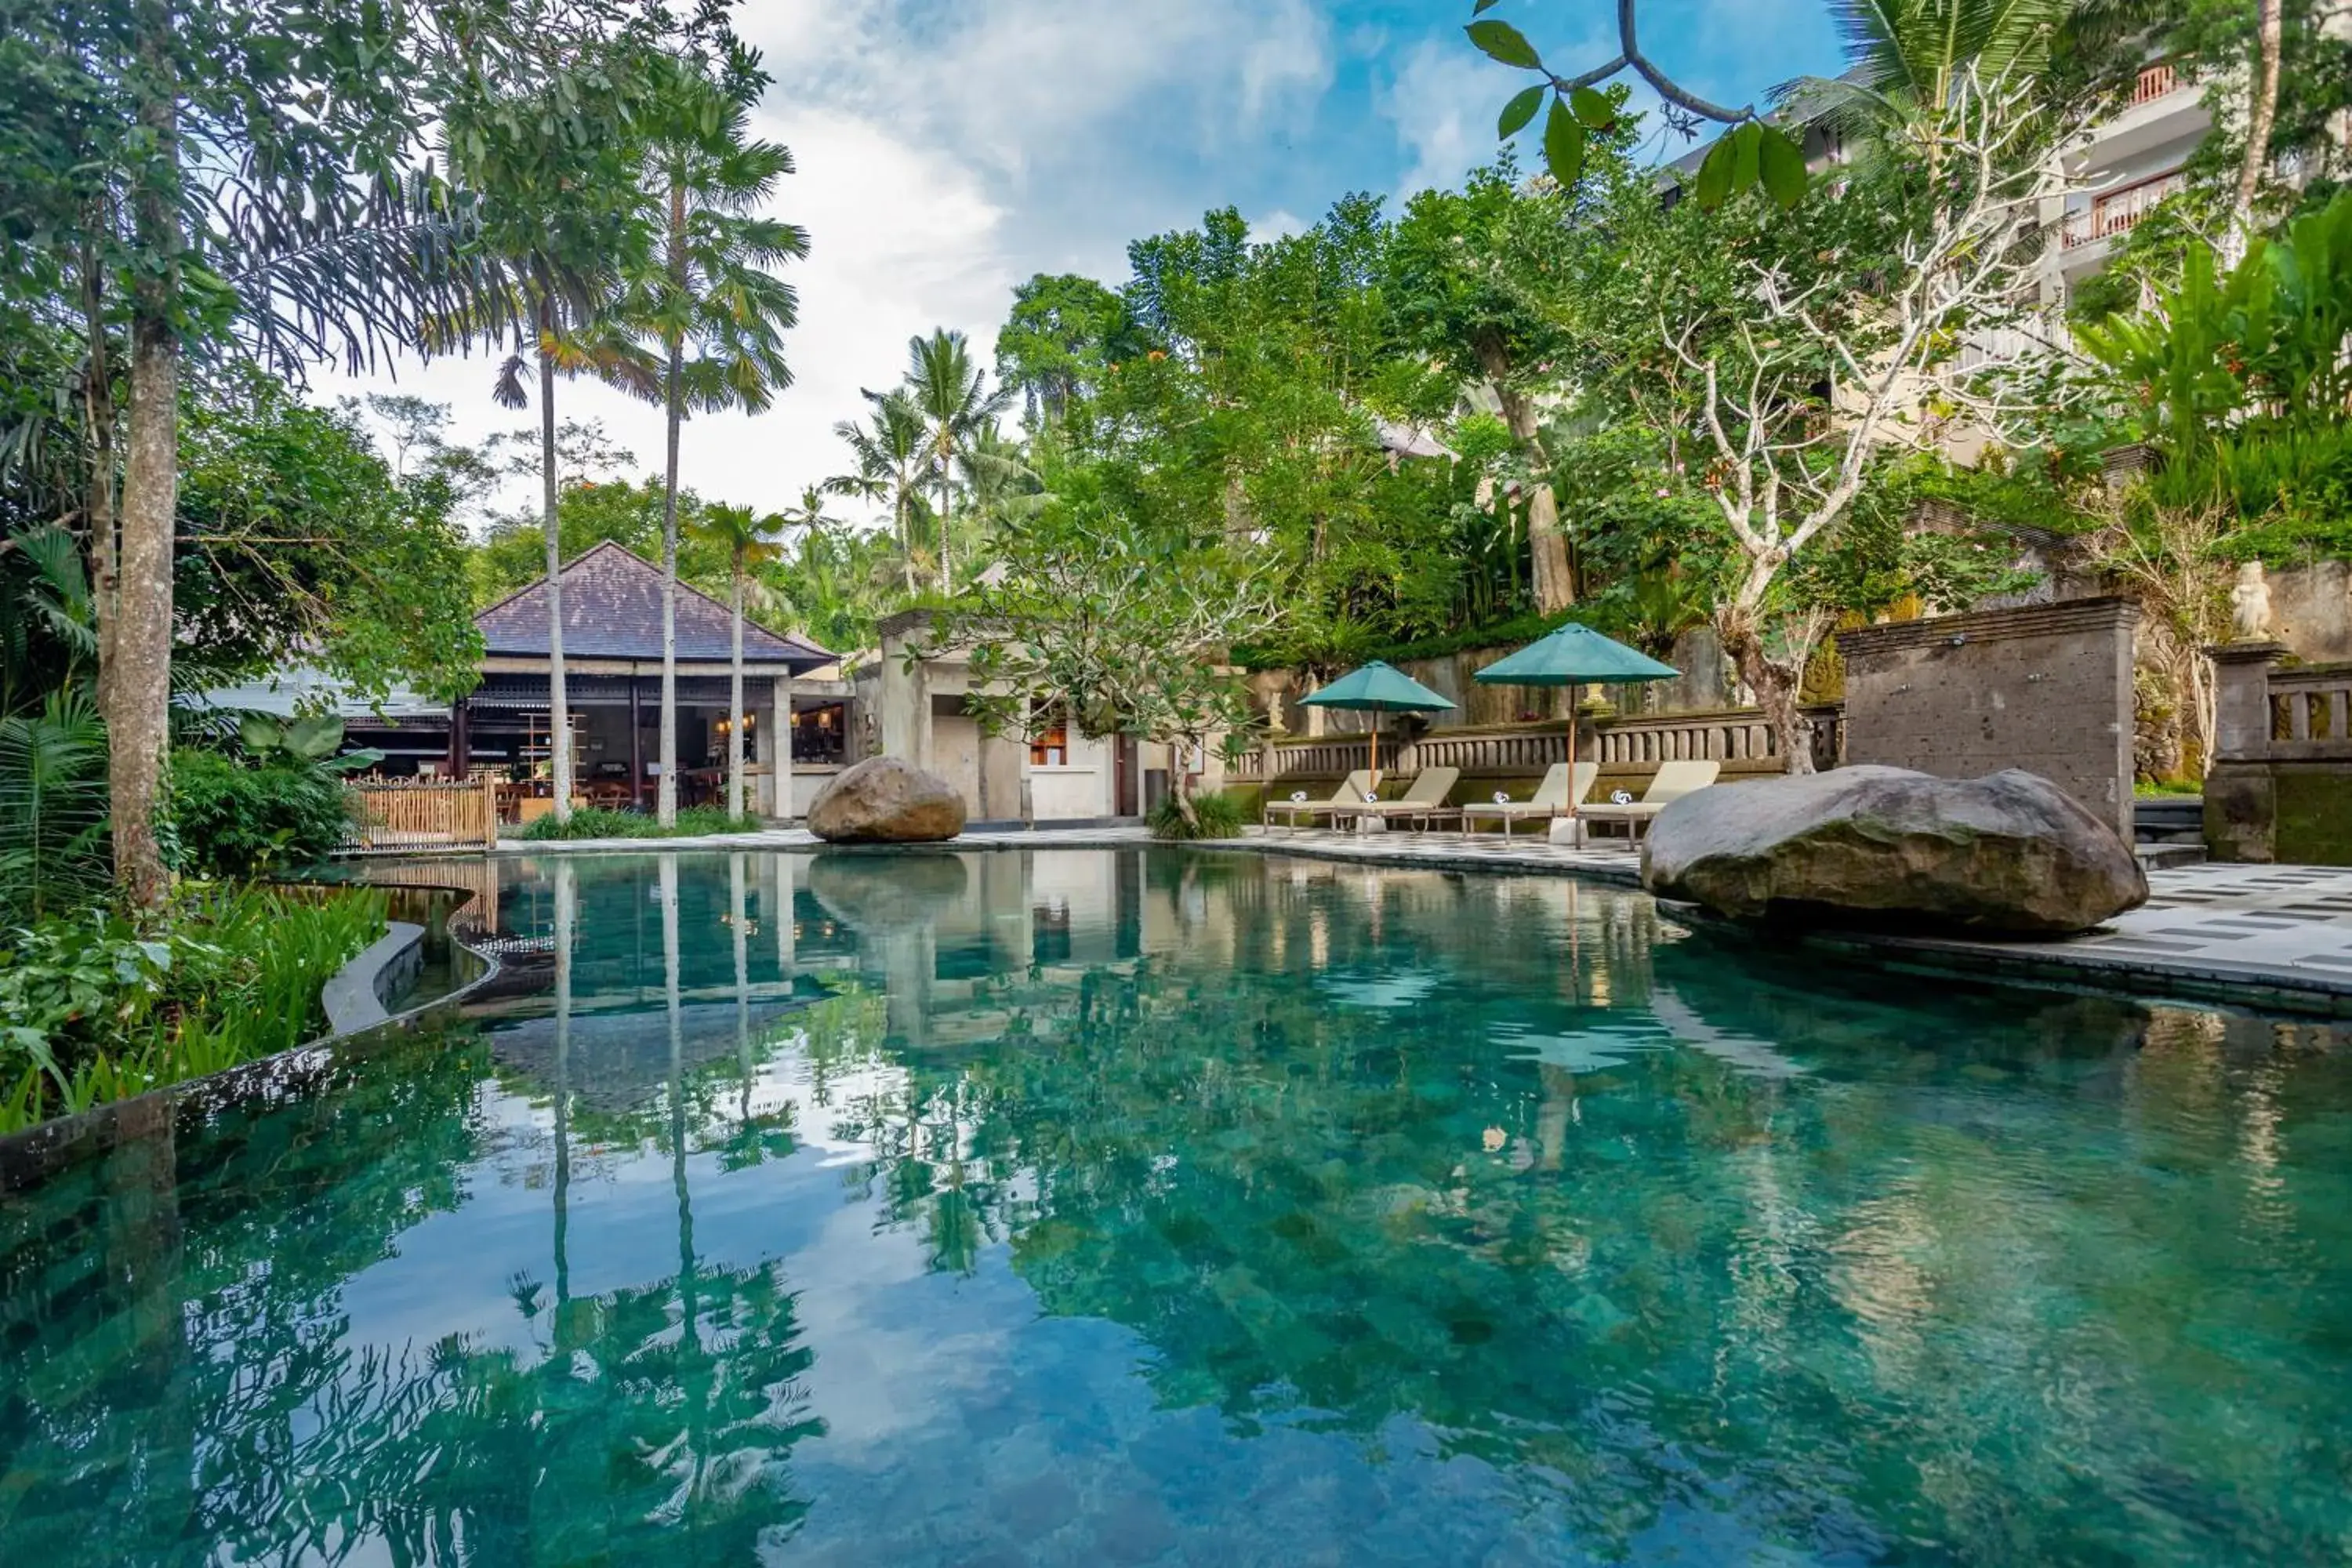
(2271, 936)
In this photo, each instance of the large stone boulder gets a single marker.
(2006, 855)
(885, 801)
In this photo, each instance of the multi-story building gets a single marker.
(2120, 169)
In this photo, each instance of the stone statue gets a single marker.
(1273, 724)
(2250, 604)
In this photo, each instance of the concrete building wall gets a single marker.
(1080, 788)
(2045, 687)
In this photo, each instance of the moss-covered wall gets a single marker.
(2292, 813)
(2313, 808)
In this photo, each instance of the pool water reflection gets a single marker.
(1092, 1206)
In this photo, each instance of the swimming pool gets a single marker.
(1162, 1206)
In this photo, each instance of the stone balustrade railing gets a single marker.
(1738, 737)
(2310, 712)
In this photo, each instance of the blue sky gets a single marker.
(948, 149)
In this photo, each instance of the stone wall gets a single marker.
(2046, 688)
(2281, 786)
(2311, 611)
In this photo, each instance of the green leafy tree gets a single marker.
(1470, 268)
(1061, 339)
(317, 229)
(299, 542)
(1098, 623)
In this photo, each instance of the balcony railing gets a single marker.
(2154, 83)
(2115, 212)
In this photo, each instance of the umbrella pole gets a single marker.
(1575, 830)
(1376, 755)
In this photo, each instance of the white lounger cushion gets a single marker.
(1673, 781)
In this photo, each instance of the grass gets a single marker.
(598, 822)
(94, 1010)
(2158, 789)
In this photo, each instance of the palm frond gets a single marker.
(52, 807)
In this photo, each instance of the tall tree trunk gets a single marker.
(905, 541)
(666, 794)
(559, 705)
(2261, 113)
(1555, 587)
(735, 703)
(140, 685)
(946, 526)
(1774, 686)
(98, 424)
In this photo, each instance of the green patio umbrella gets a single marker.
(1377, 688)
(1574, 656)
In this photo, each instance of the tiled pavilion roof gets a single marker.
(612, 609)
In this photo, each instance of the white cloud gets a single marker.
(1442, 100)
(1279, 224)
(946, 150)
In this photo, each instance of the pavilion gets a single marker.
(613, 664)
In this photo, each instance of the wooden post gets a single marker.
(637, 752)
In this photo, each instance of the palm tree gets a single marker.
(1000, 479)
(569, 221)
(1908, 57)
(712, 302)
(750, 540)
(951, 392)
(891, 452)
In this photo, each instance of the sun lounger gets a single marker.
(1353, 791)
(1423, 801)
(1672, 781)
(1559, 791)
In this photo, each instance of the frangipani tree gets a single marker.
(1091, 622)
(1789, 461)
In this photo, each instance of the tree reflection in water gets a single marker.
(1510, 1174)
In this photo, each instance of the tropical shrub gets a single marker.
(1215, 816)
(2242, 378)
(599, 821)
(237, 819)
(94, 1010)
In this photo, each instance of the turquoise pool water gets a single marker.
(1094, 1207)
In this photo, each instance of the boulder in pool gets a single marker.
(883, 800)
(2010, 854)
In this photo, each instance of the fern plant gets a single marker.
(53, 809)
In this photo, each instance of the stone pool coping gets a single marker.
(354, 995)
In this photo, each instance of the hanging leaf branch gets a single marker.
(1752, 151)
